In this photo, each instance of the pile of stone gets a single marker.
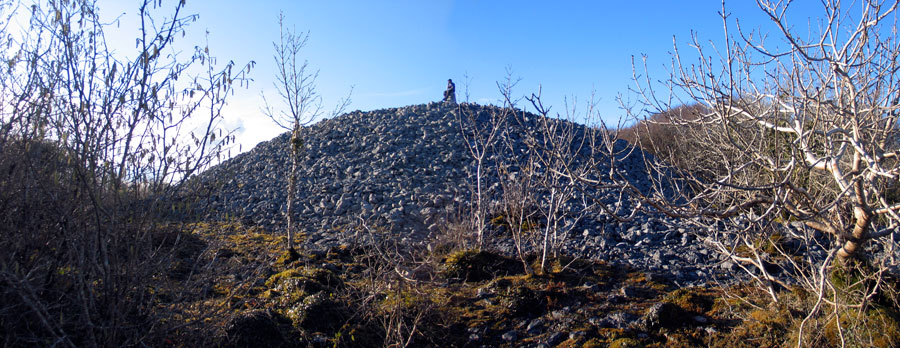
(405, 172)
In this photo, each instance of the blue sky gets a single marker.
(402, 52)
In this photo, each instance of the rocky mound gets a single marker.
(408, 170)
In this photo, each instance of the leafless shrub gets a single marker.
(296, 85)
(518, 205)
(558, 145)
(826, 110)
(805, 133)
(94, 148)
(480, 133)
(390, 293)
(454, 230)
(535, 202)
(786, 157)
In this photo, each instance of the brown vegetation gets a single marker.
(243, 293)
(94, 148)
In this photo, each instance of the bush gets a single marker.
(92, 155)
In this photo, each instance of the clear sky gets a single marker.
(397, 53)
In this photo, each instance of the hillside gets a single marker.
(407, 170)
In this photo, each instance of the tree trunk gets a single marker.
(479, 218)
(292, 186)
(859, 234)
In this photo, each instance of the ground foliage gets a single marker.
(247, 292)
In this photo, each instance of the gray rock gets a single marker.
(614, 320)
(535, 326)
(510, 336)
(560, 313)
(556, 338)
(662, 314)
(630, 291)
(341, 205)
(405, 170)
(574, 335)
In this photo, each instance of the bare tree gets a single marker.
(95, 147)
(557, 144)
(808, 131)
(793, 141)
(804, 131)
(296, 85)
(480, 133)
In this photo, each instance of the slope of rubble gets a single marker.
(408, 171)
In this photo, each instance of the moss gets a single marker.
(874, 327)
(610, 333)
(604, 273)
(664, 315)
(626, 343)
(682, 339)
(593, 343)
(852, 275)
(696, 300)
(475, 265)
(257, 328)
(406, 299)
(761, 328)
(774, 244)
(251, 241)
(319, 312)
(497, 297)
(287, 257)
(222, 289)
(883, 323)
(527, 226)
(499, 220)
(523, 301)
(295, 284)
(274, 280)
(323, 277)
(642, 285)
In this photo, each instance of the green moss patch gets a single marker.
(695, 300)
(476, 266)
